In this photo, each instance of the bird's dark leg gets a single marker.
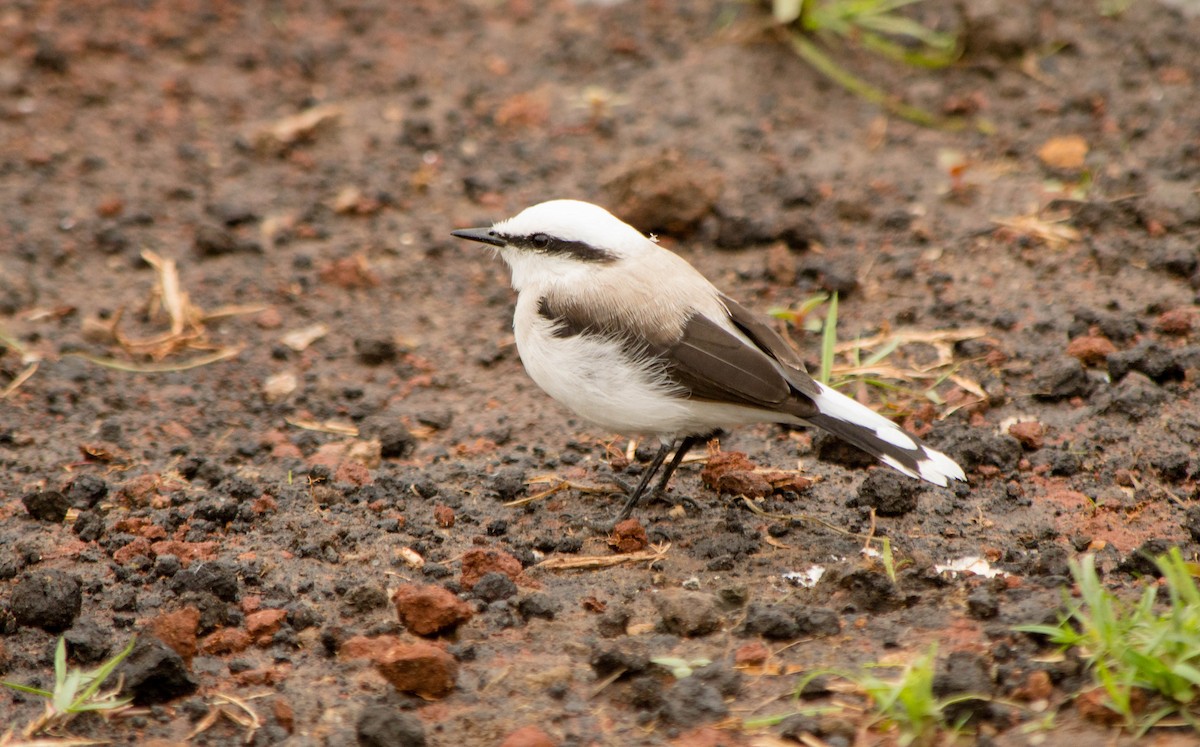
(636, 495)
(684, 447)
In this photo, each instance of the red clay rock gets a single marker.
(1091, 350)
(285, 715)
(186, 551)
(261, 676)
(225, 641)
(1037, 687)
(753, 654)
(1091, 705)
(349, 273)
(264, 624)
(362, 647)
(444, 516)
(421, 668)
(353, 473)
(138, 546)
(1175, 322)
(178, 630)
(528, 736)
(478, 563)
(427, 609)
(1030, 433)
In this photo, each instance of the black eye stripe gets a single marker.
(546, 244)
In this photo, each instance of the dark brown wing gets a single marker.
(770, 341)
(707, 361)
(713, 364)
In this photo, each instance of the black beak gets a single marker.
(484, 235)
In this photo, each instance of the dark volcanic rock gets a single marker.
(973, 447)
(375, 351)
(507, 484)
(363, 598)
(830, 448)
(688, 613)
(1119, 328)
(154, 673)
(494, 586)
(49, 505)
(48, 599)
(88, 526)
(1155, 361)
(395, 440)
(385, 726)
(983, 603)
(1135, 396)
(785, 622)
(87, 643)
(693, 701)
(626, 654)
(1061, 378)
(1140, 562)
(888, 492)
(962, 672)
(540, 605)
(218, 577)
(871, 591)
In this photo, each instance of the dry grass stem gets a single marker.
(557, 485)
(658, 552)
(327, 426)
(1053, 233)
(800, 517)
(21, 378)
(203, 360)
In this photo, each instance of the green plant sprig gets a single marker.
(1131, 646)
(905, 702)
(75, 691)
(878, 27)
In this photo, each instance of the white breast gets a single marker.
(595, 378)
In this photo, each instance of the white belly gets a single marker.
(596, 379)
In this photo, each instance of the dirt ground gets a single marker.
(252, 388)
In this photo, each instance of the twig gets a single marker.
(21, 379)
(552, 490)
(203, 360)
(915, 335)
(328, 426)
(558, 485)
(603, 561)
(174, 300)
(801, 517)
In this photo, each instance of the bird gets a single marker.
(631, 337)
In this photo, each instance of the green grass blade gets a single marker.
(27, 689)
(881, 384)
(889, 348)
(101, 673)
(811, 54)
(64, 693)
(829, 340)
(60, 663)
(103, 705)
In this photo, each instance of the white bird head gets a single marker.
(560, 237)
